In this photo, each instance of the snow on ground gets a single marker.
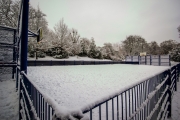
(8, 100)
(79, 87)
(176, 104)
(76, 58)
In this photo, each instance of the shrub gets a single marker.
(61, 56)
(31, 53)
(175, 54)
(41, 54)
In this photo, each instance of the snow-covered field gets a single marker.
(8, 100)
(79, 87)
(76, 58)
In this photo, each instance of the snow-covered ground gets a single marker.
(76, 58)
(176, 104)
(79, 82)
(79, 87)
(8, 100)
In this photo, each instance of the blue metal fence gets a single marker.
(33, 105)
(149, 99)
(73, 62)
(8, 46)
(159, 60)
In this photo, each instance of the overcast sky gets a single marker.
(113, 20)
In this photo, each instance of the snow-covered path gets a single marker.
(8, 100)
(176, 104)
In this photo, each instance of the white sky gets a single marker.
(113, 20)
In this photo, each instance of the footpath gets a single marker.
(8, 100)
(176, 104)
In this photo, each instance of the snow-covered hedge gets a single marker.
(175, 54)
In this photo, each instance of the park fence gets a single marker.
(74, 62)
(148, 100)
(158, 60)
(8, 47)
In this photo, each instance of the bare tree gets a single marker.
(61, 41)
(9, 11)
(74, 38)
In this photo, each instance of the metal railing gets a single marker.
(8, 48)
(147, 100)
(32, 104)
(73, 62)
(160, 60)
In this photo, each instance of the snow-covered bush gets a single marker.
(32, 53)
(175, 54)
(61, 56)
(84, 47)
(41, 54)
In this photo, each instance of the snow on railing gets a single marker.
(149, 99)
(145, 100)
(29, 100)
(151, 94)
(163, 107)
(23, 99)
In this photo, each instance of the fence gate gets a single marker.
(8, 48)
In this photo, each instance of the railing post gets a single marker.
(150, 59)
(20, 96)
(14, 54)
(169, 60)
(146, 60)
(17, 77)
(139, 59)
(176, 78)
(178, 71)
(131, 58)
(170, 94)
(159, 60)
(24, 44)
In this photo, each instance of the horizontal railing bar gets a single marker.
(6, 28)
(172, 71)
(22, 111)
(87, 110)
(27, 111)
(30, 102)
(148, 99)
(163, 106)
(7, 65)
(165, 110)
